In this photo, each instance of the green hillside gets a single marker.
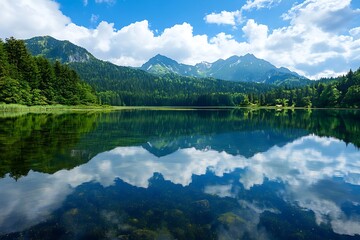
(118, 85)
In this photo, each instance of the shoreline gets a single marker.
(18, 108)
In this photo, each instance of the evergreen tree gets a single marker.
(47, 79)
(4, 65)
(352, 97)
(29, 80)
(330, 96)
(21, 62)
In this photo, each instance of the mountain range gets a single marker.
(119, 85)
(246, 68)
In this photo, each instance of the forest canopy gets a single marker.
(29, 80)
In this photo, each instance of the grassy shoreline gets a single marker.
(18, 108)
(49, 108)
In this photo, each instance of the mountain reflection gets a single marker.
(320, 174)
(51, 142)
(210, 174)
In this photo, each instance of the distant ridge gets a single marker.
(119, 85)
(247, 68)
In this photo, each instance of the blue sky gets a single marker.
(163, 14)
(316, 38)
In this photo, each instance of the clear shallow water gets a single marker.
(230, 174)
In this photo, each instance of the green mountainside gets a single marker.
(63, 51)
(246, 68)
(116, 85)
(161, 65)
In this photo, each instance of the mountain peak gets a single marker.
(161, 65)
(246, 68)
(53, 49)
(159, 56)
(249, 55)
(161, 59)
(233, 58)
(246, 57)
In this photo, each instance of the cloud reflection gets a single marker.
(300, 165)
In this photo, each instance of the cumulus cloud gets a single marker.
(355, 32)
(255, 33)
(310, 45)
(328, 15)
(224, 17)
(25, 18)
(235, 18)
(316, 42)
(258, 4)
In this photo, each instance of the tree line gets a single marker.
(29, 80)
(341, 92)
(125, 86)
(328, 93)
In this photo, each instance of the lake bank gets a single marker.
(18, 108)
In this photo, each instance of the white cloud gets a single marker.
(317, 42)
(85, 2)
(258, 4)
(23, 18)
(328, 15)
(224, 17)
(255, 33)
(355, 32)
(219, 190)
(235, 18)
(308, 45)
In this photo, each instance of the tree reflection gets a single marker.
(51, 142)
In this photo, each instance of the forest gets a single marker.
(29, 80)
(342, 92)
(174, 90)
(35, 80)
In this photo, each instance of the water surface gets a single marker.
(206, 174)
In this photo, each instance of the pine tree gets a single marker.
(4, 65)
(22, 64)
(47, 79)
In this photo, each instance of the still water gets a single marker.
(205, 174)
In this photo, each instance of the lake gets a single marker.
(192, 174)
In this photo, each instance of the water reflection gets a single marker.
(51, 142)
(314, 173)
(180, 175)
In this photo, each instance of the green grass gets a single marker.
(8, 110)
(18, 109)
